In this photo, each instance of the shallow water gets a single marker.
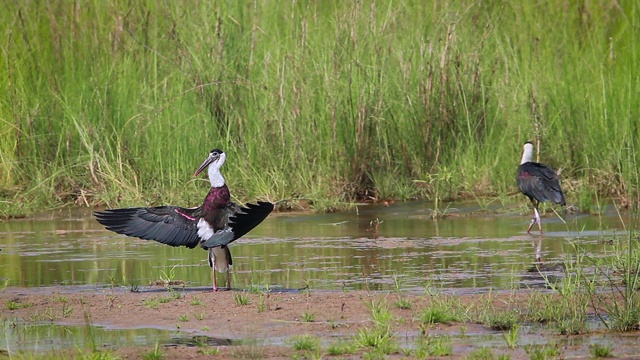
(472, 248)
(19, 336)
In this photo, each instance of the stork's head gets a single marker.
(216, 159)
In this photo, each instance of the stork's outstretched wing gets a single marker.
(177, 226)
(171, 225)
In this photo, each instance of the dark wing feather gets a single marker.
(243, 220)
(169, 225)
(540, 182)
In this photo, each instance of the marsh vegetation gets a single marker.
(316, 104)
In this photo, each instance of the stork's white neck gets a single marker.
(215, 176)
(527, 154)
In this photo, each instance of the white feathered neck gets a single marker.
(527, 154)
(215, 176)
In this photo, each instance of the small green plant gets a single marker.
(156, 354)
(151, 303)
(305, 342)
(308, 317)
(541, 352)
(601, 351)
(249, 349)
(199, 316)
(262, 302)
(183, 318)
(168, 279)
(501, 320)
(66, 310)
(404, 304)
(380, 338)
(511, 336)
(62, 299)
(342, 347)
(438, 315)
(572, 326)
(241, 299)
(13, 305)
(380, 313)
(201, 341)
(196, 301)
(483, 353)
(433, 346)
(165, 299)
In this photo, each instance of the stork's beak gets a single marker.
(206, 163)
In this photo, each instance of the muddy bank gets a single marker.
(267, 322)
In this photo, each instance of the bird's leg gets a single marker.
(535, 215)
(531, 224)
(535, 211)
(215, 283)
(229, 279)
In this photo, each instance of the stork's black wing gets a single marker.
(241, 222)
(540, 182)
(171, 225)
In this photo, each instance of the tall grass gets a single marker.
(117, 103)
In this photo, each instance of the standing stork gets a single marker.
(539, 183)
(213, 225)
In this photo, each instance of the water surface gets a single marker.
(471, 248)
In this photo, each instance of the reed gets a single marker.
(112, 103)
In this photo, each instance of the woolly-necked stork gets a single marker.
(539, 183)
(213, 225)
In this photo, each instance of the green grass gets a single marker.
(151, 303)
(308, 317)
(305, 342)
(342, 347)
(403, 303)
(620, 274)
(501, 320)
(601, 351)
(433, 347)
(483, 353)
(15, 305)
(119, 103)
(155, 354)
(542, 352)
(241, 299)
(444, 309)
(196, 301)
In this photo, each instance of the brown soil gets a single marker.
(268, 318)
